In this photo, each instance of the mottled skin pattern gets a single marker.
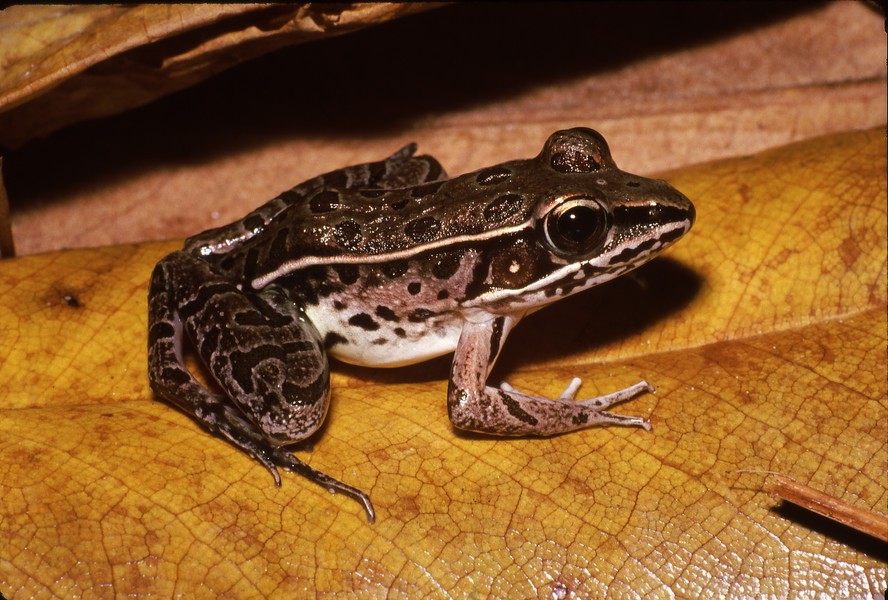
(391, 263)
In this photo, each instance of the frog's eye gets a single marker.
(575, 226)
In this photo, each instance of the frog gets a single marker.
(390, 263)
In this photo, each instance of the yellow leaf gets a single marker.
(764, 332)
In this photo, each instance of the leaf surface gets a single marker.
(764, 332)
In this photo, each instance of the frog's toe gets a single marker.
(324, 480)
(250, 439)
(608, 400)
(570, 391)
(504, 386)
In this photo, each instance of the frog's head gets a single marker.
(591, 221)
(597, 213)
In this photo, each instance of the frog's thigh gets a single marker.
(268, 361)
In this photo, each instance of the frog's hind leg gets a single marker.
(267, 360)
(400, 170)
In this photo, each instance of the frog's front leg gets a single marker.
(475, 406)
(267, 359)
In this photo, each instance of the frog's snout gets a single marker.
(692, 213)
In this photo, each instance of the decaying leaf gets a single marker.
(65, 64)
(764, 332)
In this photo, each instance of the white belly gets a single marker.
(376, 342)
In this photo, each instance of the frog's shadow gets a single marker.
(576, 325)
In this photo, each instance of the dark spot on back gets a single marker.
(297, 395)
(414, 288)
(324, 202)
(422, 229)
(502, 208)
(373, 193)
(399, 331)
(293, 348)
(443, 295)
(347, 234)
(291, 197)
(209, 343)
(399, 204)
(339, 305)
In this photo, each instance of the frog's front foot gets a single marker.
(508, 411)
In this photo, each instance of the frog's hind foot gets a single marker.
(228, 422)
(508, 411)
(287, 461)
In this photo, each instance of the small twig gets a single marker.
(861, 519)
(7, 246)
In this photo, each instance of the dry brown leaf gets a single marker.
(65, 64)
(764, 332)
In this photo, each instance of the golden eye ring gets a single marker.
(575, 226)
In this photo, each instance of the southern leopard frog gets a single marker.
(390, 263)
